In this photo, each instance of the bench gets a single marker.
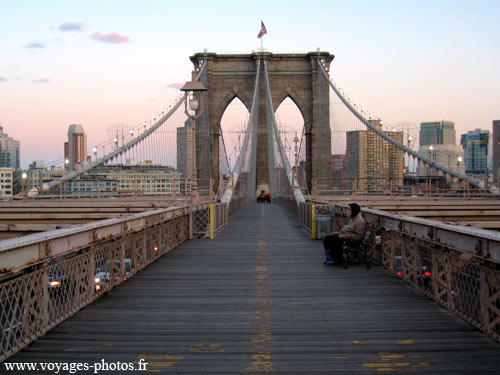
(357, 249)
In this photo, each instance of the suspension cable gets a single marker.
(228, 193)
(299, 197)
(123, 148)
(432, 163)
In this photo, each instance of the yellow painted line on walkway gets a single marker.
(259, 349)
(406, 342)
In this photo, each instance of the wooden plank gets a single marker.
(258, 299)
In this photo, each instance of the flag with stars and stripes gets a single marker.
(262, 30)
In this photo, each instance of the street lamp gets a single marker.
(66, 163)
(193, 92)
(23, 178)
(409, 156)
(431, 156)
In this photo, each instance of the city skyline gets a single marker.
(99, 64)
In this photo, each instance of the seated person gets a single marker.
(269, 198)
(353, 230)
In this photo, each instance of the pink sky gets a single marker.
(94, 64)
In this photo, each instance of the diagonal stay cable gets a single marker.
(228, 193)
(473, 181)
(299, 197)
(119, 151)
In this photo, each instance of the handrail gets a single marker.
(17, 254)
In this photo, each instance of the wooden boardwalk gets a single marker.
(258, 300)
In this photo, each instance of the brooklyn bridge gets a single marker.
(203, 280)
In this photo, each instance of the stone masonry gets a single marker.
(297, 76)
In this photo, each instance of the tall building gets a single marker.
(374, 162)
(185, 150)
(437, 133)
(477, 151)
(339, 172)
(437, 141)
(496, 149)
(9, 151)
(447, 155)
(75, 150)
(6, 182)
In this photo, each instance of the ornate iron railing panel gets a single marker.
(32, 304)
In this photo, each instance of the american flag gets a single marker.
(262, 30)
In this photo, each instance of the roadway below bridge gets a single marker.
(258, 300)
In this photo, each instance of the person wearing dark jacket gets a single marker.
(353, 230)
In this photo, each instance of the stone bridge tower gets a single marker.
(297, 76)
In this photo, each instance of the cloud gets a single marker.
(112, 38)
(41, 80)
(3, 79)
(71, 26)
(35, 45)
(174, 85)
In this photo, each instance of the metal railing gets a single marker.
(424, 186)
(458, 267)
(55, 274)
(99, 189)
(210, 220)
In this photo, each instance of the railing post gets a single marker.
(313, 222)
(484, 295)
(211, 221)
(45, 301)
(213, 196)
(191, 218)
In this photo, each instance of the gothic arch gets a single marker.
(297, 76)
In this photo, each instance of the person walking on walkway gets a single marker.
(353, 230)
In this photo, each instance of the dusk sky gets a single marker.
(100, 63)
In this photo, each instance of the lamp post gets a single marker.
(66, 163)
(23, 178)
(431, 168)
(459, 160)
(409, 156)
(193, 93)
(431, 155)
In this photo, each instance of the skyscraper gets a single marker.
(437, 141)
(437, 133)
(477, 151)
(496, 148)
(9, 151)
(75, 150)
(372, 161)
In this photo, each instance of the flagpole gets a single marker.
(261, 47)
